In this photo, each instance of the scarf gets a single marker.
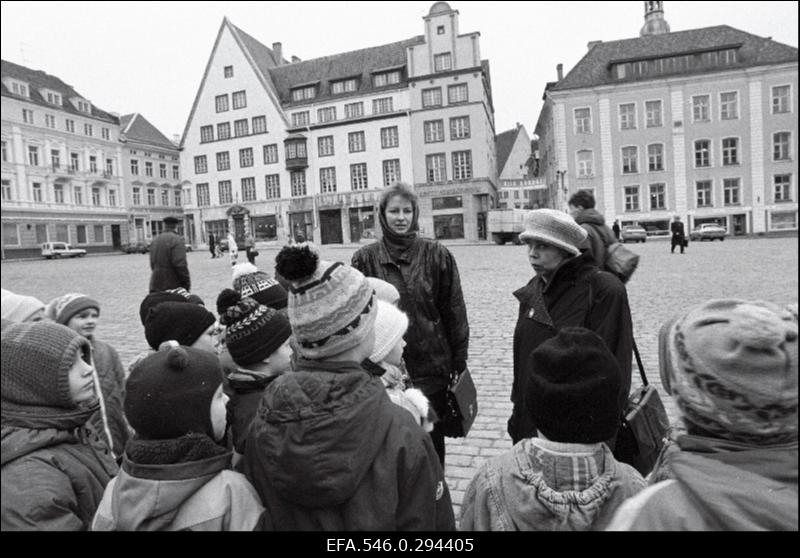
(398, 245)
(189, 447)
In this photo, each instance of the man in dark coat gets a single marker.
(168, 259)
(212, 245)
(678, 234)
(582, 208)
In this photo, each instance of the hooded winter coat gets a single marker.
(717, 485)
(592, 221)
(112, 383)
(541, 485)
(545, 308)
(329, 451)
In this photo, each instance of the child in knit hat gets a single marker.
(21, 308)
(257, 340)
(248, 281)
(176, 473)
(327, 449)
(55, 465)
(731, 366)
(566, 479)
(81, 313)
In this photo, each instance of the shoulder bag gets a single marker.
(462, 406)
(619, 260)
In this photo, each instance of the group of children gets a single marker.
(292, 411)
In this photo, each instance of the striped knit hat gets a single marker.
(249, 281)
(254, 331)
(62, 308)
(331, 305)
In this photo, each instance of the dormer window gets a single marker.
(304, 93)
(386, 78)
(82, 105)
(52, 97)
(344, 86)
(18, 88)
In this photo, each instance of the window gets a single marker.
(223, 161)
(631, 198)
(270, 153)
(585, 161)
(781, 99)
(728, 106)
(457, 93)
(223, 130)
(701, 108)
(448, 226)
(449, 202)
(652, 111)
(358, 176)
(137, 196)
(7, 189)
(344, 86)
(249, 189)
(386, 78)
(103, 132)
(259, 124)
(77, 195)
(221, 103)
(382, 106)
(55, 158)
(178, 202)
(148, 168)
(50, 121)
(300, 118)
(354, 110)
(165, 197)
(37, 191)
(20, 89)
(459, 127)
(630, 159)
(327, 180)
(304, 93)
(325, 146)
(442, 62)
(62, 233)
(74, 163)
(782, 187)
(730, 151)
(93, 164)
(780, 146)
(583, 121)
(273, 182)
(10, 234)
(391, 171)
(703, 189)
(702, 153)
(162, 170)
(327, 114)
(227, 71)
(436, 166)
(240, 128)
(246, 157)
(5, 151)
(176, 173)
(730, 191)
(99, 234)
(53, 98)
(225, 195)
(296, 150)
(110, 168)
(187, 195)
(298, 182)
(27, 116)
(389, 137)
(33, 155)
(657, 196)
(81, 230)
(112, 198)
(440, 29)
(58, 193)
(206, 134)
(69, 125)
(200, 164)
(462, 165)
(655, 157)
(356, 142)
(432, 97)
(782, 220)
(239, 99)
(151, 196)
(203, 197)
(434, 131)
(627, 116)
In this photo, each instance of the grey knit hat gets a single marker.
(555, 228)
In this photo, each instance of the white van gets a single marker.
(61, 250)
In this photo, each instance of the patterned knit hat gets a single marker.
(331, 305)
(249, 281)
(732, 367)
(554, 227)
(254, 331)
(178, 294)
(36, 359)
(169, 393)
(19, 308)
(384, 290)
(573, 388)
(180, 321)
(390, 326)
(62, 308)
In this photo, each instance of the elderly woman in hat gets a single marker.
(567, 290)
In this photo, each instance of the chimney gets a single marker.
(277, 48)
(591, 44)
(560, 71)
(295, 59)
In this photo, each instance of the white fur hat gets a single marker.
(390, 326)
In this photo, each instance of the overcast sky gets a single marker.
(149, 57)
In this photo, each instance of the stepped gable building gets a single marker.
(285, 149)
(699, 123)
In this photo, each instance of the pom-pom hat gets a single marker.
(248, 281)
(61, 309)
(555, 228)
(181, 321)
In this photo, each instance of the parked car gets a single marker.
(139, 247)
(708, 231)
(61, 250)
(633, 233)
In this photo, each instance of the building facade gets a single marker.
(303, 148)
(61, 167)
(520, 187)
(701, 124)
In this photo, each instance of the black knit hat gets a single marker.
(254, 331)
(573, 388)
(180, 321)
(249, 281)
(178, 294)
(169, 393)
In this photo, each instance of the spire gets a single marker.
(654, 22)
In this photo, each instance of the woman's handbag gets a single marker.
(462, 406)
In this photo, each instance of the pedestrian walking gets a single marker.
(678, 235)
(55, 465)
(176, 473)
(328, 450)
(168, 259)
(616, 229)
(212, 245)
(731, 367)
(426, 275)
(567, 290)
(250, 248)
(582, 209)
(566, 479)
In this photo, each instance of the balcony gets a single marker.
(297, 163)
